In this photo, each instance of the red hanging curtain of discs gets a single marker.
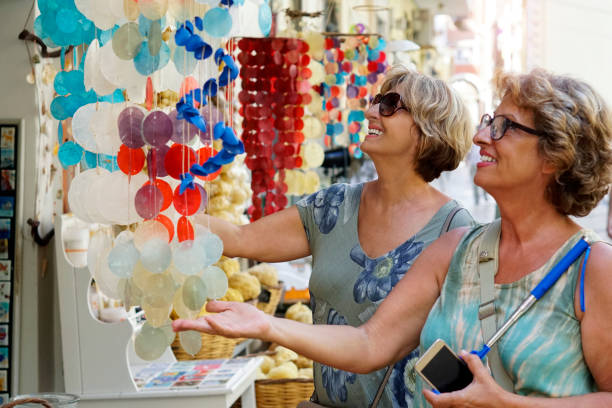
(274, 91)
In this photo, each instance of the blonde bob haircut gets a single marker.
(441, 117)
(577, 138)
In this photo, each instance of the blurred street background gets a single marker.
(459, 185)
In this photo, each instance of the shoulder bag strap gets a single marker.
(449, 219)
(381, 387)
(374, 404)
(487, 267)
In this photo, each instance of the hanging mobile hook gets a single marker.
(45, 53)
(42, 241)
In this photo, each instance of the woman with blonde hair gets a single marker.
(364, 237)
(546, 154)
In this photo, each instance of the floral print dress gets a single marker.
(347, 287)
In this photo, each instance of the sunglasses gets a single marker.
(388, 103)
(499, 124)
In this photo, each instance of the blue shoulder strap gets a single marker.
(582, 273)
(584, 262)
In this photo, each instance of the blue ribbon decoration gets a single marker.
(235, 150)
(230, 70)
(232, 146)
(210, 87)
(186, 37)
(229, 137)
(182, 36)
(219, 55)
(186, 183)
(189, 25)
(194, 43)
(218, 130)
(199, 23)
(231, 143)
(187, 111)
(205, 169)
(223, 157)
(186, 106)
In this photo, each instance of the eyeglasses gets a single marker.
(388, 103)
(499, 124)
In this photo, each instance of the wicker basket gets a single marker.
(28, 401)
(281, 393)
(213, 347)
(276, 293)
(285, 393)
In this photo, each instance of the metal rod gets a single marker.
(523, 307)
(542, 287)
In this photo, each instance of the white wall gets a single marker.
(37, 358)
(573, 37)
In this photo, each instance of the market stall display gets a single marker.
(147, 103)
(145, 164)
(354, 64)
(144, 111)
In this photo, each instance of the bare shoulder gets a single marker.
(598, 265)
(596, 325)
(447, 243)
(438, 255)
(453, 236)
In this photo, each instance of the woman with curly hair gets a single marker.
(546, 154)
(364, 237)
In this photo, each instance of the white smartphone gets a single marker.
(442, 369)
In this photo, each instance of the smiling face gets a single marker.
(514, 160)
(390, 135)
(428, 130)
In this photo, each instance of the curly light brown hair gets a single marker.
(441, 117)
(577, 138)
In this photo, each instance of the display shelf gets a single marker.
(98, 358)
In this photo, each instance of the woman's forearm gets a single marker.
(276, 237)
(345, 347)
(390, 334)
(228, 232)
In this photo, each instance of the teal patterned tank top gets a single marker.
(347, 286)
(542, 351)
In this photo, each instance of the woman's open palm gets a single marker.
(229, 319)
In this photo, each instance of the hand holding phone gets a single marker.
(442, 369)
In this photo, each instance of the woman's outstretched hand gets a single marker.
(230, 319)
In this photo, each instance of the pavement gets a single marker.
(458, 184)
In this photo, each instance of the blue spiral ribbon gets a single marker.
(186, 183)
(186, 107)
(186, 37)
(232, 146)
(230, 69)
(187, 111)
